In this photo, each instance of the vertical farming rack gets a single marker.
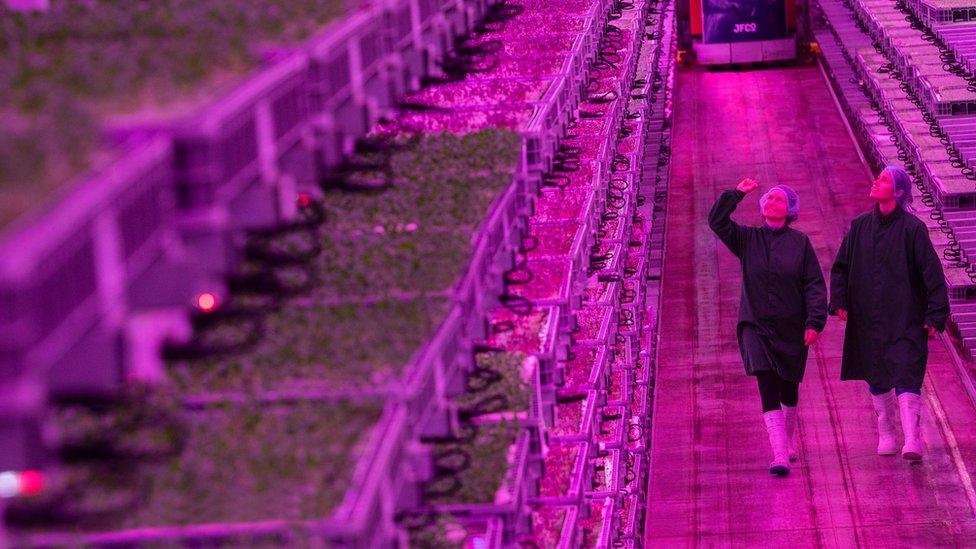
(435, 235)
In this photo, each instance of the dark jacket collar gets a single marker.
(890, 218)
(775, 231)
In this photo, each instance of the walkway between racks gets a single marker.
(708, 481)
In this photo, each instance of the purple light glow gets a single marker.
(331, 274)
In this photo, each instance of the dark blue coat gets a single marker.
(890, 280)
(783, 291)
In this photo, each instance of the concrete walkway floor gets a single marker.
(709, 483)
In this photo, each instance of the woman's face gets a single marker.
(776, 206)
(883, 188)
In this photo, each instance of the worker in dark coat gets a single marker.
(887, 283)
(783, 307)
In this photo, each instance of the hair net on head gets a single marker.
(792, 202)
(903, 183)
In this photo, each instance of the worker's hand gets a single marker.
(932, 331)
(810, 337)
(842, 314)
(747, 185)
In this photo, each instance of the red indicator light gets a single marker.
(207, 302)
(31, 483)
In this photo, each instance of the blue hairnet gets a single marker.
(903, 183)
(792, 202)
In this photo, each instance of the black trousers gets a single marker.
(774, 390)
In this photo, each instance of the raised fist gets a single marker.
(747, 185)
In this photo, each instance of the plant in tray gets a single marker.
(628, 145)
(607, 74)
(486, 151)
(622, 353)
(41, 151)
(546, 280)
(602, 86)
(293, 462)
(631, 475)
(557, 470)
(544, 64)
(637, 396)
(627, 504)
(633, 267)
(609, 227)
(499, 91)
(550, 239)
(237, 464)
(411, 261)
(524, 333)
(569, 416)
(444, 181)
(635, 244)
(562, 205)
(519, 41)
(457, 200)
(142, 424)
(549, 52)
(628, 291)
(443, 531)
(581, 174)
(591, 109)
(590, 320)
(68, 71)
(547, 527)
(259, 286)
(593, 523)
(595, 290)
(335, 347)
(458, 122)
(587, 139)
(80, 496)
(546, 16)
(593, 129)
(602, 473)
(605, 255)
(284, 246)
(579, 370)
(226, 331)
(498, 384)
(615, 389)
(611, 421)
(474, 468)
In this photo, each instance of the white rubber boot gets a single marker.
(789, 418)
(884, 406)
(776, 428)
(910, 406)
